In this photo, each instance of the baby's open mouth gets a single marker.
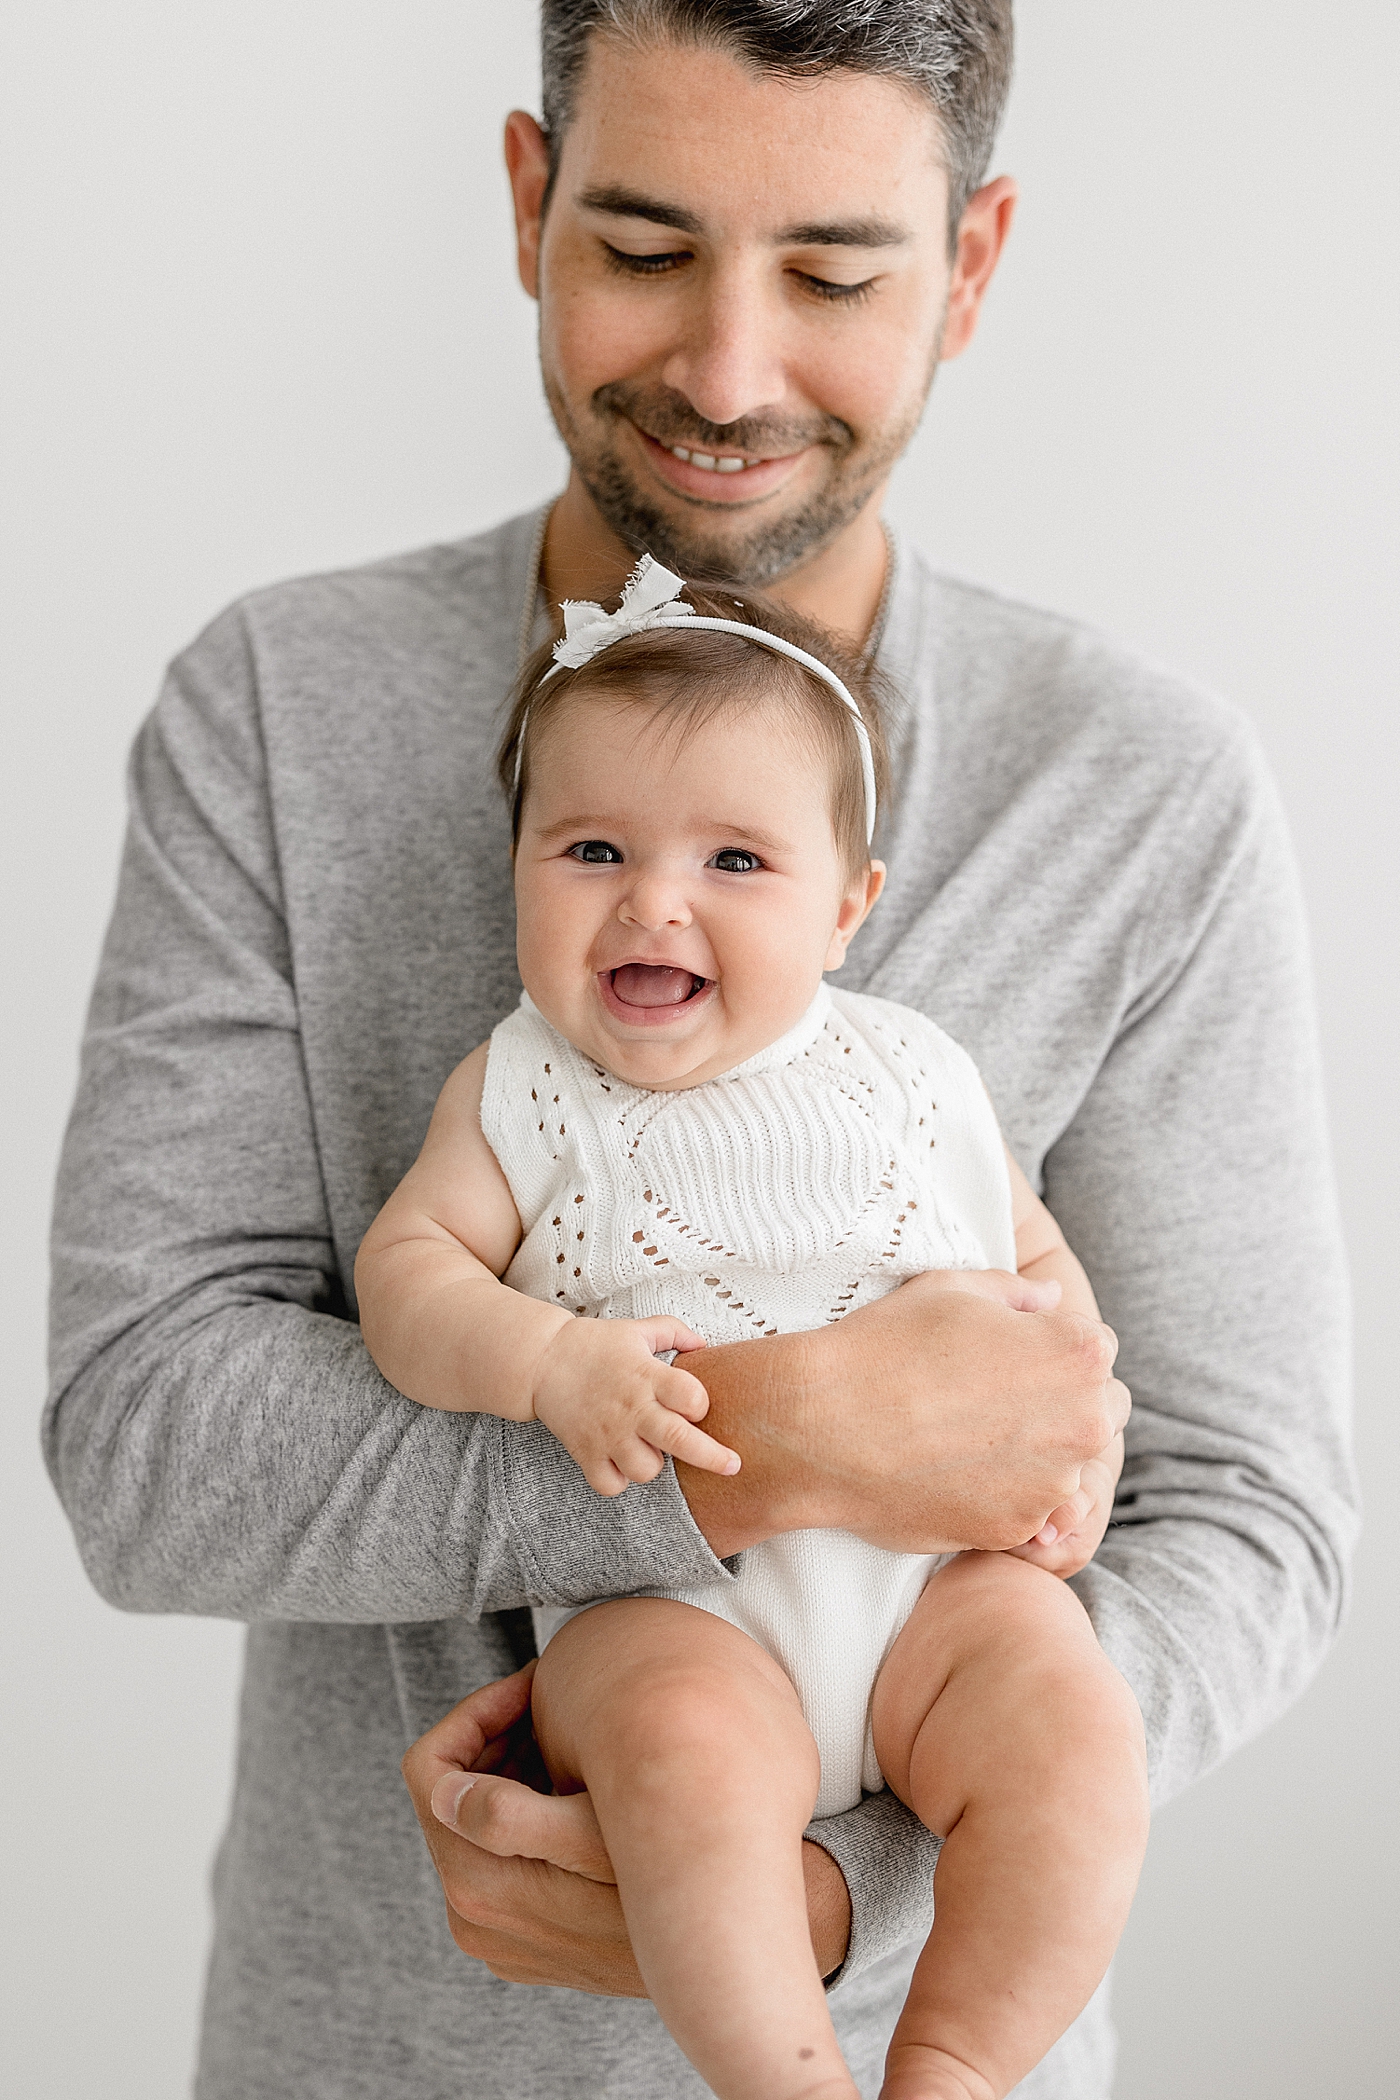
(655, 984)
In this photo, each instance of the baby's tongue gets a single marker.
(652, 984)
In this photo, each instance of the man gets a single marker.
(753, 231)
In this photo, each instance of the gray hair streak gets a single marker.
(957, 53)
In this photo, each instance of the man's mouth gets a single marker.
(719, 477)
(713, 463)
(654, 984)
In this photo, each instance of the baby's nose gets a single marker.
(653, 903)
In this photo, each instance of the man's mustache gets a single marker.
(668, 417)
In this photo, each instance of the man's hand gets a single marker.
(959, 1411)
(526, 1875)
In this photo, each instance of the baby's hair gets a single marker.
(695, 677)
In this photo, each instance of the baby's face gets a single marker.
(678, 899)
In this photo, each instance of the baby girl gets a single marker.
(683, 1136)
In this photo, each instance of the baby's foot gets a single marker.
(913, 2072)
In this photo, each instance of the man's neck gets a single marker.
(841, 586)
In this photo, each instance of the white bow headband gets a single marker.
(652, 600)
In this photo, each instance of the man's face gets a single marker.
(742, 285)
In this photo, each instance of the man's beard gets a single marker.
(749, 555)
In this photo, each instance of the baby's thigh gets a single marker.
(993, 1651)
(642, 1681)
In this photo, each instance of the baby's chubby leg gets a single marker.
(703, 1774)
(1000, 1721)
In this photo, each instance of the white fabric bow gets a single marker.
(650, 598)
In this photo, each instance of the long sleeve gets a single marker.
(1194, 1181)
(220, 1438)
(1092, 889)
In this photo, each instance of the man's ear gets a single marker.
(856, 906)
(527, 164)
(981, 237)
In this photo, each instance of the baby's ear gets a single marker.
(856, 906)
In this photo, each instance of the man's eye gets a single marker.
(596, 852)
(625, 265)
(734, 860)
(836, 294)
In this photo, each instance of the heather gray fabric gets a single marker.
(1089, 888)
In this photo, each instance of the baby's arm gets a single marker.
(1042, 1251)
(1071, 1535)
(448, 1333)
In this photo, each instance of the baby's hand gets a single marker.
(1072, 1534)
(601, 1388)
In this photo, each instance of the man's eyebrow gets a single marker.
(621, 203)
(844, 233)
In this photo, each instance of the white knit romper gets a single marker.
(857, 1151)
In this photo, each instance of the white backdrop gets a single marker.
(260, 317)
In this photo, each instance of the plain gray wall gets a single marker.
(261, 317)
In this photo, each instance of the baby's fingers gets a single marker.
(636, 1459)
(1059, 1559)
(672, 1433)
(662, 1333)
(604, 1477)
(681, 1392)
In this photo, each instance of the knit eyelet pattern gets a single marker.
(781, 1196)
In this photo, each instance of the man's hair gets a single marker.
(691, 678)
(956, 53)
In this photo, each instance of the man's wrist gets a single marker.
(828, 1908)
(759, 1402)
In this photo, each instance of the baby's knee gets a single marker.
(1000, 1669)
(691, 1696)
(696, 1734)
(985, 1606)
(1035, 1625)
(1076, 1719)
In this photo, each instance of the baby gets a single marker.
(684, 1137)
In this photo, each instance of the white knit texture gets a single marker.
(859, 1150)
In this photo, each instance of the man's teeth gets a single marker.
(709, 461)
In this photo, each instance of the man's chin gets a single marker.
(745, 551)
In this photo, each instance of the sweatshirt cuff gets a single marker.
(887, 1858)
(572, 1545)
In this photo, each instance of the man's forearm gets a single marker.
(216, 1430)
(253, 1464)
(939, 1418)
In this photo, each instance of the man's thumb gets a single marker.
(502, 1816)
(446, 1796)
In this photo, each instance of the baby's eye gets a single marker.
(734, 860)
(596, 852)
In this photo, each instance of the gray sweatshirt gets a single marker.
(1089, 888)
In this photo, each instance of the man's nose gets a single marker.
(728, 359)
(654, 902)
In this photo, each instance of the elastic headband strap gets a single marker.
(649, 602)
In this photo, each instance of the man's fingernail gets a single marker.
(447, 1795)
(1048, 1536)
